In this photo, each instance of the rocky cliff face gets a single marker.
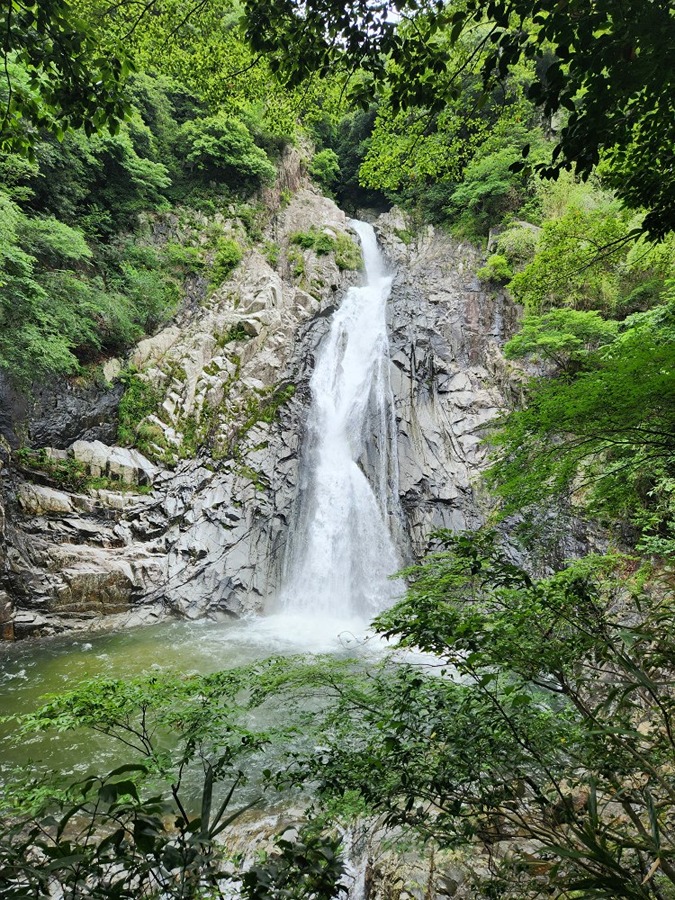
(449, 377)
(230, 382)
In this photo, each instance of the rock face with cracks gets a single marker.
(449, 377)
(231, 381)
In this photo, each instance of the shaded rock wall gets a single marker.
(449, 377)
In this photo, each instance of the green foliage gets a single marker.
(252, 216)
(489, 190)
(307, 868)
(347, 252)
(68, 474)
(496, 269)
(603, 436)
(56, 77)
(77, 289)
(235, 332)
(265, 405)
(350, 138)
(138, 831)
(259, 482)
(64, 473)
(221, 147)
(513, 740)
(55, 312)
(453, 164)
(272, 253)
(348, 256)
(53, 244)
(262, 405)
(518, 244)
(227, 257)
(562, 336)
(586, 255)
(189, 260)
(307, 239)
(325, 169)
(604, 68)
(140, 399)
(571, 267)
(141, 277)
(296, 261)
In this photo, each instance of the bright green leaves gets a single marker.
(596, 434)
(453, 165)
(325, 169)
(220, 146)
(57, 77)
(562, 336)
(227, 257)
(603, 69)
(550, 710)
(150, 826)
(577, 262)
(606, 435)
(471, 605)
(347, 252)
(56, 310)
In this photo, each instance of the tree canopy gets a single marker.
(598, 71)
(56, 76)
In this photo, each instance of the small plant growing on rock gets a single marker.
(188, 260)
(69, 474)
(227, 257)
(296, 262)
(347, 252)
(140, 399)
(235, 332)
(271, 253)
(348, 256)
(497, 270)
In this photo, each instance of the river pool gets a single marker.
(30, 670)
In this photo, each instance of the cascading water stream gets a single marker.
(341, 554)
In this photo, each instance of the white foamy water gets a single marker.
(340, 553)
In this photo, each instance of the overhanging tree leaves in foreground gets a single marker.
(547, 736)
(602, 435)
(156, 825)
(56, 75)
(599, 63)
(602, 65)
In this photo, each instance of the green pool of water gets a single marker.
(33, 669)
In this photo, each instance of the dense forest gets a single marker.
(543, 137)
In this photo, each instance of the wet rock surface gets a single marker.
(449, 377)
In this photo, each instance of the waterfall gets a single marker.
(340, 552)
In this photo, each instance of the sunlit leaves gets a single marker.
(57, 78)
(605, 435)
(603, 67)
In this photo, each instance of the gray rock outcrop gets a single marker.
(449, 377)
(231, 381)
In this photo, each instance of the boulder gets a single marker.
(36, 500)
(120, 463)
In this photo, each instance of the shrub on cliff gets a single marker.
(220, 147)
